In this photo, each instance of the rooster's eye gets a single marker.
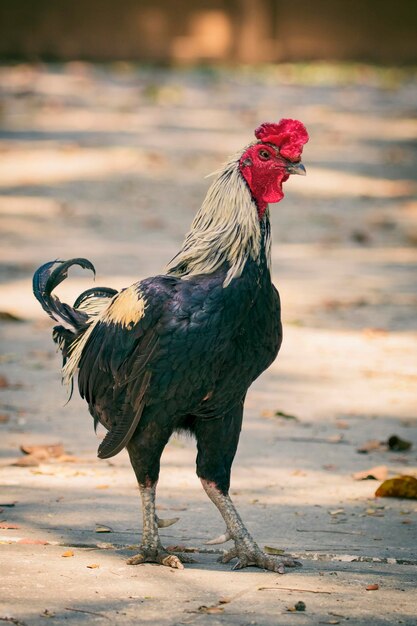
(264, 155)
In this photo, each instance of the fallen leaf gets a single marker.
(103, 529)
(298, 606)
(286, 416)
(396, 444)
(374, 587)
(398, 487)
(370, 446)
(4, 418)
(67, 553)
(334, 439)
(44, 451)
(210, 610)
(67, 458)
(93, 566)
(342, 425)
(271, 550)
(102, 486)
(6, 526)
(374, 512)
(379, 472)
(4, 383)
(26, 461)
(33, 542)
(372, 333)
(224, 600)
(337, 512)
(298, 472)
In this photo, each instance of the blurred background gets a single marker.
(112, 114)
(213, 31)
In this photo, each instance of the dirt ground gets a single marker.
(110, 164)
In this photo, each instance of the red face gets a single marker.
(268, 164)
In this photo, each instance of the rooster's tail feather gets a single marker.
(46, 279)
(73, 320)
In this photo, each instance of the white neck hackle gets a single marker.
(225, 229)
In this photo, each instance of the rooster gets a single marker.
(178, 351)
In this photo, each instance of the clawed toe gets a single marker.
(171, 560)
(158, 555)
(257, 558)
(228, 556)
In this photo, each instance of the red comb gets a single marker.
(288, 135)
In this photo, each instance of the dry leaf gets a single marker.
(44, 451)
(396, 444)
(374, 512)
(93, 566)
(334, 438)
(67, 553)
(298, 472)
(6, 526)
(379, 472)
(67, 458)
(210, 610)
(337, 512)
(271, 550)
(298, 606)
(4, 418)
(26, 461)
(224, 600)
(103, 529)
(286, 416)
(370, 445)
(398, 487)
(33, 542)
(4, 383)
(372, 587)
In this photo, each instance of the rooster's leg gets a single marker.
(217, 441)
(151, 549)
(246, 550)
(145, 449)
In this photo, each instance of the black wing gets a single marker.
(155, 343)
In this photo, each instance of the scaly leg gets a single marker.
(217, 442)
(151, 549)
(145, 450)
(246, 550)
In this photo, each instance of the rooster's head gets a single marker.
(268, 163)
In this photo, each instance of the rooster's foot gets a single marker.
(149, 554)
(254, 557)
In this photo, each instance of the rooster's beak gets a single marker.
(296, 168)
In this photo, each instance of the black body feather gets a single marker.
(185, 364)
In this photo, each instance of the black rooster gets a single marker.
(178, 351)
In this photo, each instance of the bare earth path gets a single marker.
(110, 165)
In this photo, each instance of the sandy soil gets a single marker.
(109, 164)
